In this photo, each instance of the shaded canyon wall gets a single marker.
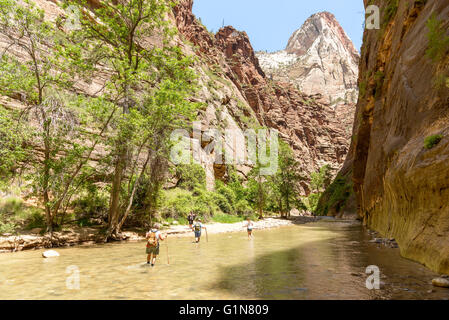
(402, 186)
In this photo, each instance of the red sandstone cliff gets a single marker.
(314, 130)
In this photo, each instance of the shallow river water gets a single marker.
(323, 260)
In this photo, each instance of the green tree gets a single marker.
(257, 190)
(13, 149)
(190, 176)
(149, 84)
(322, 179)
(225, 197)
(40, 79)
(285, 183)
(236, 183)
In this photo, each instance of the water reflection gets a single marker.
(325, 260)
(332, 267)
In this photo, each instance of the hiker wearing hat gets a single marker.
(191, 217)
(153, 237)
(197, 229)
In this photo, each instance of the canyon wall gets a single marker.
(237, 94)
(399, 156)
(317, 131)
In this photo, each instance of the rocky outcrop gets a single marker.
(441, 282)
(316, 131)
(11, 243)
(220, 98)
(237, 94)
(319, 58)
(402, 183)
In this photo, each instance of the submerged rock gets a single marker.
(441, 282)
(389, 242)
(50, 254)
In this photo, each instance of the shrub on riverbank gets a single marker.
(335, 198)
(178, 203)
(227, 203)
(15, 215)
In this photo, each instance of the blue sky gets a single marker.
(269, 23)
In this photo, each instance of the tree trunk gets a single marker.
(46, 178)
(120, 165)
(157, 172)
(134, 189)
(46, 196)
(281, 209)
(114, 211)
(261, 198)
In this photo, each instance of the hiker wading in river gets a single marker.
(191, 217)
(197, 229)
(153, 237)
(249, 227)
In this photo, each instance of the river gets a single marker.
(322, 260)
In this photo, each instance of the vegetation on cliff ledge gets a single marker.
(432, 141)
(438, 50)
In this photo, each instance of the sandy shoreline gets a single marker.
(89, 236)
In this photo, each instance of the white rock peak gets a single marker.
(319, 58)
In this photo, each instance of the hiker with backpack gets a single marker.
(197, 229)
(191, 217)
(153, 237)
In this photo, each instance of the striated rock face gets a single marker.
(402, 187)
(319, 58)
(237, 94)
(317, 132)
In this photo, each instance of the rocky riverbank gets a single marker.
(89, 236)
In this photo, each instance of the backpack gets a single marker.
(197, 227)
(152, 240)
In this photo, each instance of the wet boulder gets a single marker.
(50, 254)
(441, 282)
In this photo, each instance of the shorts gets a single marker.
(250, 229)
(197, 234)
(153, 250)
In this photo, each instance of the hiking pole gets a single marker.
(207, 237)
(166, 246)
